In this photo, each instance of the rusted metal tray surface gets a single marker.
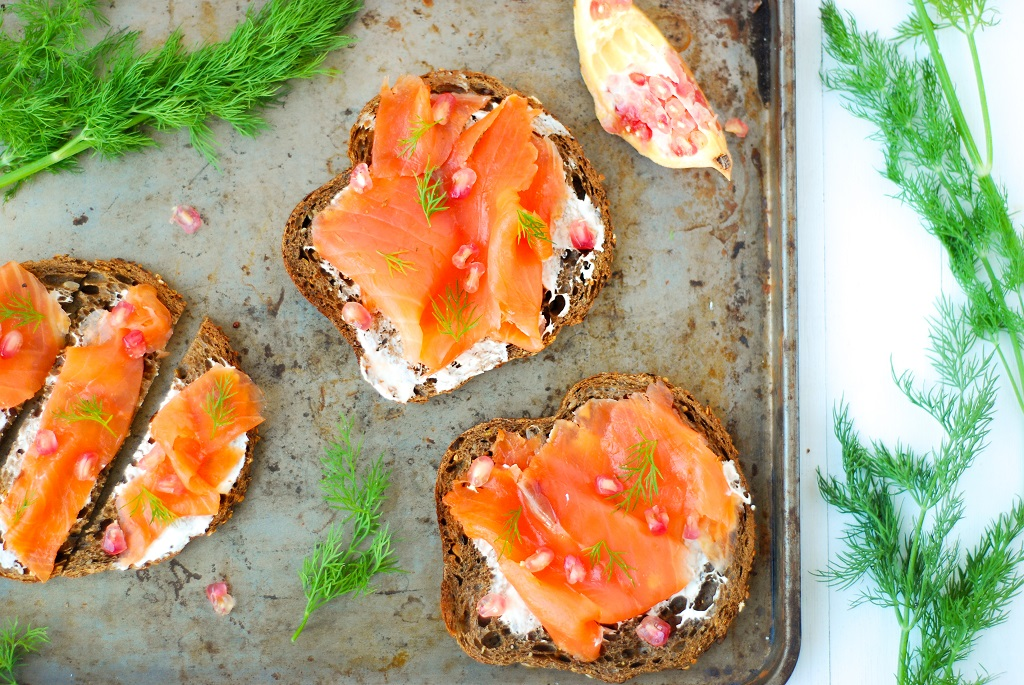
(703, 293)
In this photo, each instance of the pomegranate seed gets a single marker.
(442, 107)
(582, 235)
(187, 218)
(606, 485)
(653, 631)
(699, 98)
(662, 123)
(134, 344)
(10, 344)
(476, 270)
(462, 182)
(575, 571)
(638, 78)
(737, 128)
(675, 109)
(698, 139)
(480, 471)
(657, 519)
(490, 605)
(355, 314)
(120, 313)
(539, 560)
(46, 442)
(359, 180)
(113, 540)
(597, 573)
(85, 466)
(685, 90)
(691, 531)
(643, 132)
(661, 87)
(170, 484)
(218, 595)
(462, 256)
(599, 9)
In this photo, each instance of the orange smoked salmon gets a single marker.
(626, 493)
(81, 428)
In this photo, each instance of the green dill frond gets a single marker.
(454, 314)
(615, 560)
(510, 532)
(158, 511)
(217, 405)
(431, 192)
(407, 145)
(15, 643)
(529, 225)
(20, 310)
(87, 410)
(26, 502)
(641, 469)
(396, 264)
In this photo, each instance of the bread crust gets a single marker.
(466, 576)
(302, 261)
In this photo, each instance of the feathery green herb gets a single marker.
(640, 467)
(510, 532)
(61, 96)
(395, 263)
(408, 145)
(20, 309)
(431, 192)
(15, 643)
(455, 315)
(158, 511)
(216, 403)
(87, 410)
(615, 560)
(26, 502)
(338, 565)
(530, 226)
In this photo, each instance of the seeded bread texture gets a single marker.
(322, 290)
(209, 344)
(467, 577)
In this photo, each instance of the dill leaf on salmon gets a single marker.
(431, 192)
(529, 225)
(396, 264)
(454, 315)
(615, 560)
(87, 410)
(216, 403)
(510, 532)
(158, 511)
(409, 143)
(15, 643)
(20, 309)
(639, 467)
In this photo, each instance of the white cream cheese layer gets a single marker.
(519, 619)
(732, 476)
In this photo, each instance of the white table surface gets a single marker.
(869, 276)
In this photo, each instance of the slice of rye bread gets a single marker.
(467, 577)
(580, 278)
(100, 289)
(210, 346)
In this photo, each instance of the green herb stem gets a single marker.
(986, 169)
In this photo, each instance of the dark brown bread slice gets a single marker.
(99, 289)
(581, 279)
(467, 577)
(209, 344)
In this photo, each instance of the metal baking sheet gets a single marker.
(703, 293)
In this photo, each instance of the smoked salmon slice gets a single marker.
(598, 490)
(81, 428)
(33, 329)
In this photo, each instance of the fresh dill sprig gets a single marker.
(615, 560)
(338, 566)
(87, 410)
(61, 96)
(15, 643)
(395, 263)
(158, 511)
(529, 225)
(431, 192)
(408, 144)
(216, 403)
(454, 314)
(640, 467)
(903, 506)
(21, 310)
(510, 532)
(26, 502)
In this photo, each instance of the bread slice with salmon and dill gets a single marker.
(574, 542)
(469, 231)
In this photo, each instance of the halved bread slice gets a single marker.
(697, 620)
(580, 276)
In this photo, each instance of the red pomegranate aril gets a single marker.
(661, 87)
(638, 78)
(442, 108)
(355, 314)
(698, 138)
(539, 560)
(657, 519)
(643, 132)
(359, 180)
(491, 605)
(85, 466)
(187, 217)
(681, 145)
(463, 255)
(653, 631)
(134, 344)
(480, 471)
(11, 344)
(737, 127)
(46, 442)
(685, 90)
(575, 571)
(472, 284)
(120, 313)
(606, 485)
(600, 9)
(462, 183)
(582, 235)
(662, 123)
(597, 573)
(675, 108)
(219, 597)
(691, 531)
(113, 540)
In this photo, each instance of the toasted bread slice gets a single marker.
(580, 277)
(697, 623)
